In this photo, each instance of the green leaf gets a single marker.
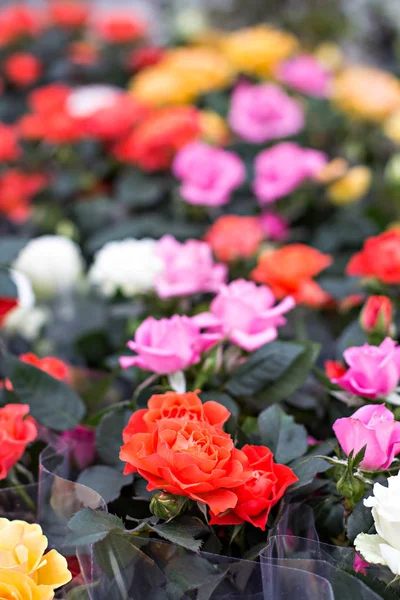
(8, 289)
(109, 436)
(178, 533)
(10, 247)
(190, 572)
(52, 402)
(90, 526)
(105, 480)
(138, 190)
(353, 335)
(96, 393)
(285, 438)
(263, 368)
(360, 520)
(117, 550)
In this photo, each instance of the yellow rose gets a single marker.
(22, 547)
(352, 187)
(214, 128)
(329, 55)
(391, 127)
(367, 93)
(258, 50)
(17, 586)
(333, 170)
(160, 86)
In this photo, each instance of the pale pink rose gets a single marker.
(209, 175)
(373, 372)
(263, 112)
(245, 313)
(283, 168)
(374, 426)
(305, 74)
(274, 226)
(189, 268)
(82, 443)
(167, 345)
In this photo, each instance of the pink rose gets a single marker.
(373, 370)
(82, 442)
(360, 565)
(245, 313)
(283, 168)
(275, 226)
(264, 112)
(167, 345)
(189, 268)
(305, 74)
(374, 426)
(209, 175)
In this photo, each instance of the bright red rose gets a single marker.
(50, 365)
(68, 14)
(155, 141)
(61, 128)
(334, 369)
(379, 258)
(144, 57)
(188, 458)
(16, 432)
(175, 406)
(120, 28)
(115, 121)
(266, 486)
(22, 69)
(289, 271)
(377, 315)
(233, 237)
(32, 126)
(6, 305)
(49, 98)
(18, 21)
(16, 192)
(9, 149)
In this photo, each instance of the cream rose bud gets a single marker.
(129, 266)
(53, 264)
(383, 548)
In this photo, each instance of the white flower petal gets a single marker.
(369, 546)
(392, 557)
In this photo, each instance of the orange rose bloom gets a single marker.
(16, 432)
(155, 141)
(233, 237)
(52, 366)
(289, 271)
(379, 258)
(175, 406)
(189, 458)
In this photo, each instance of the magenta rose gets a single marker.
(209, 175)
(264, 112)
(245, 313)
(167, 345)
(374, 426)
(281, 169)
(306, 75)
(373, 371)
(275, 226)
(82, 443)
(189, 268)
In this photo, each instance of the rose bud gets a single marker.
(167, 506)
(377, 316)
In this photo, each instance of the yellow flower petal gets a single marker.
(54, 572)
(352, 187)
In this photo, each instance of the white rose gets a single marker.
(26, 319)
(384, 547)
(53, 264)
(130, 266)
(85, 101)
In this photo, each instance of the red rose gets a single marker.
(175, 406)
(49, 98)
(233, 237)
(6, 305)
(188, 458)
(16, 432)
(18, 21)
(68, 14)
(32, 126)
(377, 315)
(120, 28)
(334, 369)
(22, 69)
(83, 53)
(61, 128)
(16, 192)
(9, 149)
(144, 57)
(155, 141)
(52, 366)
(261, 492)
(115, 121)
(379, 258)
